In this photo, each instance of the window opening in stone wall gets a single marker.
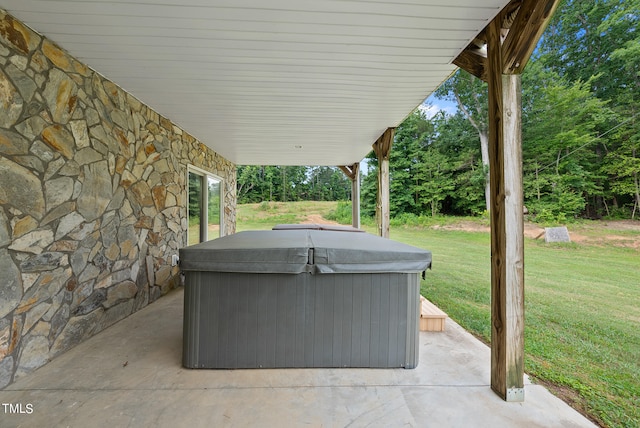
(204, 206)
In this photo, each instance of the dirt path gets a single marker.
(621, 233)
(317, 219)
(531, 230)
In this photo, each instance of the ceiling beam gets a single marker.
(521, 24)
(382, 146)
(530, 22)
(351, 171)
(472, 61)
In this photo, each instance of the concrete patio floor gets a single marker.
(130, 375)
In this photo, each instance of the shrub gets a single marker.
(342, 213)
(265, 206)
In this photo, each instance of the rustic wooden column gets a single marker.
(507, 230)
(353, 172)
(509, 40)
(382, 149)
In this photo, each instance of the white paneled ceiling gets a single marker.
(297, 82)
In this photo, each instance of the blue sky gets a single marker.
(433, 105)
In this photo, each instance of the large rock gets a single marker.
(159, 194)
(142, 194)
(12, 143)
(35, 315)
(89, 273)
(76, 330)
(6, 371)
(68, 223)
(21, 189)
(5, 335)
(11, 102)
(23, 226)
(61, 59)
(556, 234)
(24, 84)
(59, 211)
(48, 285)
(43, 262)
(80, 133)
(34, 350)
(58, 191)
(61, 96)
(59, 320)
(59, 139)
(91, 303)
(33, 242)
(5, 238)
(115, 314)
(31, 128)
(11, 290)
(99, 133)
(17, 35)
(120, 293)
(117, 200)
(87, 155)
(96, 191)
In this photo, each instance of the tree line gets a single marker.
(581, 133)
(291, 183)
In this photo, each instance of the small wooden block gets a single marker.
(432, 318)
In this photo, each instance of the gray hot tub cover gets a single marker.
(298, 251)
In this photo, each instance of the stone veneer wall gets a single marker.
(92, 200)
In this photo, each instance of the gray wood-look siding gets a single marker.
(245, 320)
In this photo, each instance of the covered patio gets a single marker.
(111, 106)
(131, 375)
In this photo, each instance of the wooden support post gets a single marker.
(355, 198)
(353, 172)
(510, 39)
(382, 148)
(507, 230)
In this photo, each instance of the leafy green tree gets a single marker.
(582, 38)
(561, 122)
(411, 137)
(195, 196)
(290, 183)
(599, 42)
(369, 187)
(248, 179)
(434, 179)
(328, 184)
(458, 140)
(472, 97)
(623, 165)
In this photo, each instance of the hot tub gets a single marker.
(301, 298)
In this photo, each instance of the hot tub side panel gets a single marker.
(245, 320)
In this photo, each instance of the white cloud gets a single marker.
(432, 106)
(428, 110)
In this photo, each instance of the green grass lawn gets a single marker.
(582, 314)
(582, 305)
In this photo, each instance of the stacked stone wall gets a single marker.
(92, 200)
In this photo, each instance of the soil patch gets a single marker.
(591, 234)
(620, 233)
(531, 230)
(317, 219)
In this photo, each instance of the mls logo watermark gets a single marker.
(17, 408)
